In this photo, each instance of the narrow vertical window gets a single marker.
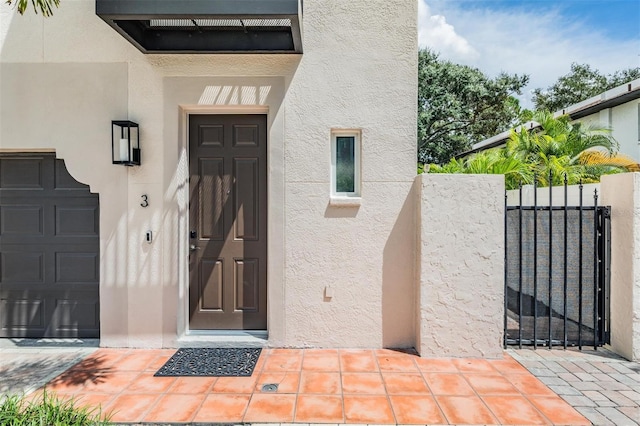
(345, 162)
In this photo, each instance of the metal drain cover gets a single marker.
(270, 387)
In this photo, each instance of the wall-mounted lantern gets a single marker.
(125, 143)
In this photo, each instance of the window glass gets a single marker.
(345, 164)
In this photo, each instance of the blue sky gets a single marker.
(536, 37)
(619, 19)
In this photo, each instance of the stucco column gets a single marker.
(622, 193)
(461, 266)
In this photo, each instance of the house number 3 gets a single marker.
(145, 201)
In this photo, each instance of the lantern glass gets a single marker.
(125, 143)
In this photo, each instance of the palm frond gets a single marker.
(44, 6)
(599, 158)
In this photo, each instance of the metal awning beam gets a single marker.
(137, 9)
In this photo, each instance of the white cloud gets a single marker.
(539, 42)
(436, 33)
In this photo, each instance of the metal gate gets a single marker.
(557, 272)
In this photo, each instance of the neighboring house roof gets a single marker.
(609, 99)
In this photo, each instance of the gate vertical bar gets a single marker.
(550, 255)
(535, 261)
(506, 295)
(564, 309)
(580, 272)
(596, 283)
(604, 244)
(520, 267)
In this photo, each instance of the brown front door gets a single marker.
(228, 222)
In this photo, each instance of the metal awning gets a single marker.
(206, 26)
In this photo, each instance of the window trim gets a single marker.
(347, 198)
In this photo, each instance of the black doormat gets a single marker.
(213, 362)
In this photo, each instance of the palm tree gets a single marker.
(558, 136)
(492, 161)
(45, 6)
(582, 152)
(559, 148)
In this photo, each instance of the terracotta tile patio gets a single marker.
(319, 386)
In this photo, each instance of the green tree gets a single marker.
(459, 105)
(45, 6)
(581, 83)
(559, 136)
(580, 152)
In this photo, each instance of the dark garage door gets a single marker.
(49, 250)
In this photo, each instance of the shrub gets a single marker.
(48, 410)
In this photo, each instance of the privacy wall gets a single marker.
(460, 294)
(622, 193)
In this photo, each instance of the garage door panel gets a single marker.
(76, 267)
(22, 314)
(76, 314)
(22, 267)
(22, 173)
(49, 250)
(76, 221)
(21, 220)
(54, 219)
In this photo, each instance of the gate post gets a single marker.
(622, 193)
(460, 288)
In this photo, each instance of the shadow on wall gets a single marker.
(398, 286)
(334, 212)
(22, 33)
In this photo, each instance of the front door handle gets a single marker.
(194, 247)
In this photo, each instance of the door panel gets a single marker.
(247, 284)
(210, 285)
(212, 199)
(246, 199)
(228, 215)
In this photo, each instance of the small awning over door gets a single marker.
(206, 26)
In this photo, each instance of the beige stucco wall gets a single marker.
(460, 298)
(64, 78)
(622, 193)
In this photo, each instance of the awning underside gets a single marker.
(206, 26)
